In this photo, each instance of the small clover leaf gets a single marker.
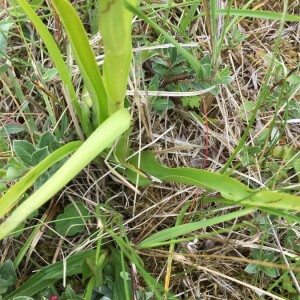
(192, 102)
(72, 221)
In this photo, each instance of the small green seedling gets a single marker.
(258, 254)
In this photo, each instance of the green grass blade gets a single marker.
(134, 258)
(228, 187)
(250, 13)
(171, 233)
(214, 33)
(100, 139)
(85, 58)
(17, 190)
(261, 98)
(122, 288)
(52, 273)
(54, 52)
(29, 241)
(259, 14)
(277, 212)
(223, 33)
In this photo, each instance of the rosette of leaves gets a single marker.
(28, 155)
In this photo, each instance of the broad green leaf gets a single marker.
(171, 233)
(50, 141)
(72, 221)
(8, 276)
(11, 128)
(192, 102)
(228, 187)
(15, 169)
(49, 74)
(24, 151)
(162, 104)
(115, 28)
(99, 140)
(252, 269)
(39, 155)
(272, 272)
(85, 58)
(223, 76)
(3, 187)
(3, 68)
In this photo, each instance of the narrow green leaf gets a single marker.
(250, 13)
(52, 273)
(131, 254)
(171, 233)
(260, 14)
(228, 187)
(85, 58)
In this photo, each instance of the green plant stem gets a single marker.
(115, 27)
(85, 58)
